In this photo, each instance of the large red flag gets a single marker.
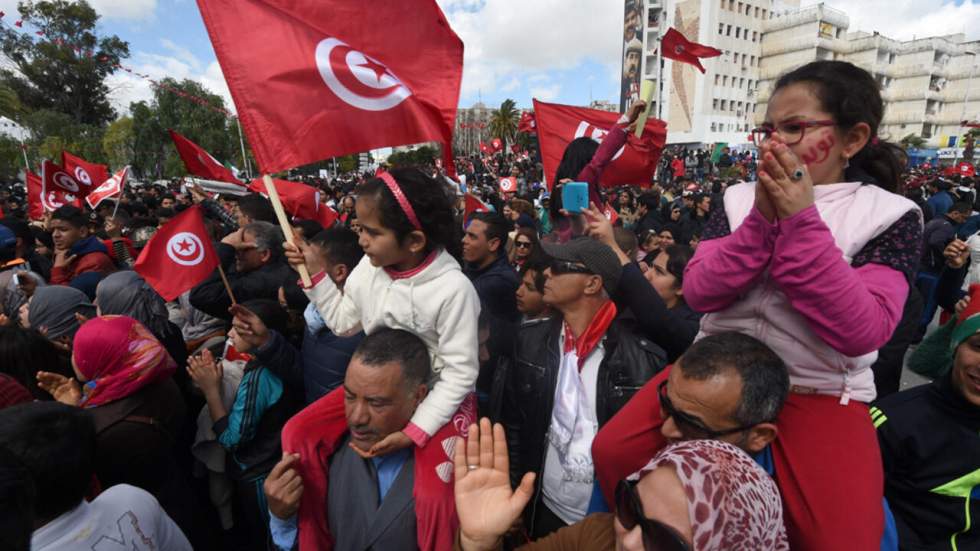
(178, 256)
(299, 200)
(676, 46)
(199, 162)
(634, 164)
(111, 187)
(58, 188)
(484, 148)
(319, 78)
(89, 175)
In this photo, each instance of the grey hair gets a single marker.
(268, 237)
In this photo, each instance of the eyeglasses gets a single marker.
(657, 536)
(791, 132)
(690, 426)
(562, 267)
(523, 244)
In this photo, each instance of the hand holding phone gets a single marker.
(575, 197)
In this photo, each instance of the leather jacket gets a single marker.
(531, 377)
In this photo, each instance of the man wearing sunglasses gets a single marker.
(569, 375)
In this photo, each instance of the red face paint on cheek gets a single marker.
(820, 151)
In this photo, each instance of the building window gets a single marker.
(724, 80)
(757, 11)
(741, 83)
(714, 104)
(737, 31)
(731, 5)
(723, 4)
(721, 28)
(728, 30)
(717, 79)
(724, 105)
(739, 10)
(714, 126)
(754, 35)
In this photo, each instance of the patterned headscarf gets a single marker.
(732, 502)
(118, 357)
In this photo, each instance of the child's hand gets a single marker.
(205, 372)
(392, 443)
(299, 252)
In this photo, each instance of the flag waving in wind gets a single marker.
(88, 175)
(178, 256)
(634, 164)
(319, 78)
(110, 188)
(676, 46)
(199, 162)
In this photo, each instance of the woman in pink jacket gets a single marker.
(814, 259)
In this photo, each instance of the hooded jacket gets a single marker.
(436, 302)
(91, 264)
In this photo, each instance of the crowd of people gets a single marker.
(713, 366)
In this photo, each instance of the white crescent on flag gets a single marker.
(357, 79)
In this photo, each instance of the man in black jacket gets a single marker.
(591, 363)
(496, 282)
(930, 449)
(252, 259)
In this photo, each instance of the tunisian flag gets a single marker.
(35, 209)
(110, 188)
(473, 204)
(676, 46)
(299, 200)
(199, 162)
(54, 189)
(89, 175)
(634, 164)
(178, 256)
(320, 78)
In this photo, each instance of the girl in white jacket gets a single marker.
(407, 280)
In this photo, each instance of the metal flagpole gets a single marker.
(660, 73)
(241, 141)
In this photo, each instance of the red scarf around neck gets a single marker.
(590, 338)
(315, 433)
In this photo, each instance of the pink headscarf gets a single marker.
(732, 502)
(118, 356)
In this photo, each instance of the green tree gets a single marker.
(117, 142)
(503, 122)
(154, 155)
(11, 158)
(421, 156)
(10, 105)
(63, 68)
(912, 141)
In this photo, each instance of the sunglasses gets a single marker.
(523, 244)
(690, 426)
(657, 536)
(562, 267)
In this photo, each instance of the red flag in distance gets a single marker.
(676, 46)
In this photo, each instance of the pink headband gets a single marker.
(396, 190)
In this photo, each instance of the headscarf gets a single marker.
(731, 501)
(118, 357)
(126, 293)
(53, 310)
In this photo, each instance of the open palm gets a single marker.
(485, 503)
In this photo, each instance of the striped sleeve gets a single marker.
(259, 390)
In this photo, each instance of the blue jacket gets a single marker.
(318, 368)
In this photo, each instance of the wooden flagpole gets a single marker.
(287, 229)
(224, 279)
